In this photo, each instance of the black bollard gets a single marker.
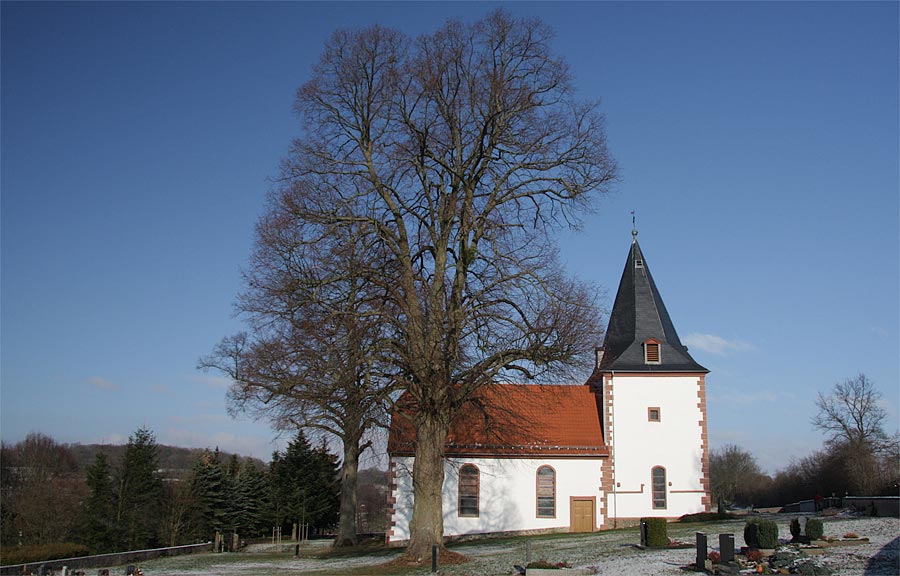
(434, 558)
(701, 550)
(726, 547)
(643, 534)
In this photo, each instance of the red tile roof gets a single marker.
(514, 420)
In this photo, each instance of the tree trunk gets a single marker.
(427, 524)
(349, 473)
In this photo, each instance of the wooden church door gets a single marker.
(582, 512)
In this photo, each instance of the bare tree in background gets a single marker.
(45, 489)
(852, 417)
(458, 156)
(310, 359)
(735, 477)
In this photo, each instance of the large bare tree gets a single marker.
(459, 154)
(310, 359)
(853, 418)
(852, 412)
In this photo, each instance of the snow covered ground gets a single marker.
(608, 552)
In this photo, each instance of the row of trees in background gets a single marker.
(859, 458)
(130, 503)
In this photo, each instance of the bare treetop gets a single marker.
(461, 151)
(851, 412)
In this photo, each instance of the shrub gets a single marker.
(768, 534)
(759, 533)
(706, 517)
(795, 528)
(814, 529)
(751, 533)
(657, 531)
(715, 557)
(40, 553)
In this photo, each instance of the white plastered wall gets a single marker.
(508, 494)
(675, 443)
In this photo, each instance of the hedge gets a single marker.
(814, 528)
(657, 531)
(759, 533)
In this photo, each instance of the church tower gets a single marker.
(652, 398)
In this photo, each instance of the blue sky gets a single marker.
(758, 144)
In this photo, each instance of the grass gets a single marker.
(485, 555)
(364, 548)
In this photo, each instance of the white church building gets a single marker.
(631, 442)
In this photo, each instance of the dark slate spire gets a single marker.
(638, 316)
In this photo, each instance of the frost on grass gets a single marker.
(609, 552)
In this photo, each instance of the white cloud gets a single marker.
(728, 396)
(715, 344)
(101, 383)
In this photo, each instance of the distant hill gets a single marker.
(174, 460)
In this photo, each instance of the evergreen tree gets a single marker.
(234, 467)
(211, 491)
(249, 505)
(305, 484)
(140, 493)
(100, 507)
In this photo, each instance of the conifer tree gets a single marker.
(211, 490)
(100, 507)
(305, 485)
(139, 493)
(249, 505)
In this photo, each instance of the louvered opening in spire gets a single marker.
(651, 351)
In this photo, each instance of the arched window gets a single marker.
(658, 475)
(546, 492)
(468, 490)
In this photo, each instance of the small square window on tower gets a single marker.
(651, 351)
(653, 414)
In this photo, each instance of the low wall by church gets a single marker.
(874, 505)
(869, 505)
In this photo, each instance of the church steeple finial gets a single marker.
(633, 229)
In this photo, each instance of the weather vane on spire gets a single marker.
(633, 228)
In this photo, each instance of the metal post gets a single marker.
(643, 534)
(434, 558)
(528, 552)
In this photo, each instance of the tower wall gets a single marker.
(656, 420)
